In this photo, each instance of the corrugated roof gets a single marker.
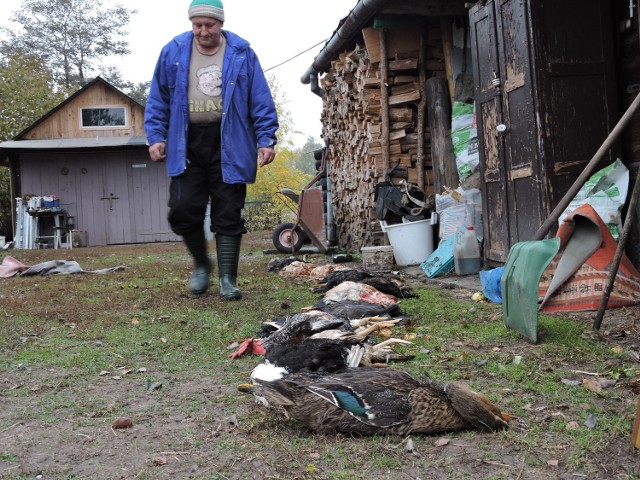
(66, 143)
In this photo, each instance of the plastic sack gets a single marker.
(464, 136)
(459, 208)
(490, 280)
(606, 191)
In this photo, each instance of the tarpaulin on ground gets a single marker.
(577, 277)
(11, 267)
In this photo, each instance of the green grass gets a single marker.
(57, 334)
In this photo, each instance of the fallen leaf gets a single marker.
(142, 370)
(590, 422)
(592, 384)
(104, 372)
(410, 448)
(552, 463)
(135, 321)
(153, 386)
(163, 340)
(571, 383)
(160, 461)
(572, 426)
(116, 377)
(607, 382)
(441, 442)
(122, 423)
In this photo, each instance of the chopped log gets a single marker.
(406, 64)
(400, 114)
(404, 97)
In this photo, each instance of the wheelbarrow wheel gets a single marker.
(286, 239)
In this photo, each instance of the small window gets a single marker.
(103, 117)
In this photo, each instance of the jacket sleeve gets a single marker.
(156, 114)
(263, 108)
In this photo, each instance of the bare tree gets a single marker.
(70, 34)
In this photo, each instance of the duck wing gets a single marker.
(378, 398)
(299, 326)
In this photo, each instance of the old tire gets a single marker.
(286, 239)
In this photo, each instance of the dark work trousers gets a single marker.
(190, 192)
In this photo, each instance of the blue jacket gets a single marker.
(249, 118)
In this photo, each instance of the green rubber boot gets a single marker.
(228, 249)
(197, 245)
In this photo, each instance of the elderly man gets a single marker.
(210, 114)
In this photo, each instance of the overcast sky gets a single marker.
(277, 30)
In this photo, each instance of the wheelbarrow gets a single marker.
(310, 222)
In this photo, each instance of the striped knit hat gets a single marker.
(206, 8)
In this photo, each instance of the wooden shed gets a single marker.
(549, 81)
(90, 152)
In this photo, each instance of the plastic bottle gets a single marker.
(466, 252)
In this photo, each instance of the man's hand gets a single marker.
(157, 151)
(266, 156)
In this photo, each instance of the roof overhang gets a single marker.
(73, 143)
(362, 15)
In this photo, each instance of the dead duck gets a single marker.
(383, 283)
(293, 329)
(354, 309)
(368, 401)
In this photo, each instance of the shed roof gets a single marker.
(73, 143)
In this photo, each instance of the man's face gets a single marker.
(207, 31)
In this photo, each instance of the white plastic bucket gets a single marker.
(412, 242)
(2, 242)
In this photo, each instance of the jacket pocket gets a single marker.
(172, 74)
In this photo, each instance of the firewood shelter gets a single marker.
(547, 81)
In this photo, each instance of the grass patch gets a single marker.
(79, 351)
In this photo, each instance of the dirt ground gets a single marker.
(223, 438)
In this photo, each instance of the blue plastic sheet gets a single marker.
(490, 280)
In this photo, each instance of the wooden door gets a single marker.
(116, 203)
(506, 124)
(537, 125)
(149, 192)
(576, 64)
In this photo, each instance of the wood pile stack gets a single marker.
(364, 147)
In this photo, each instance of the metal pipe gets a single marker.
(353, 24)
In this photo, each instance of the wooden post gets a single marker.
(447, 47)
(384, 101)
(443, 159)
(422, 107)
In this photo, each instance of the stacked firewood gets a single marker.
(353, 125)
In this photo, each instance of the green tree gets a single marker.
(27, 92)
(303, 158)
(70, 34)
(5, 204)
(283, 172)
(138, 91)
